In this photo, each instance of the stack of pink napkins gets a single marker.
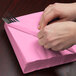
(32, 56)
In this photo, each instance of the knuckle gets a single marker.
(45, 46)
(39, 35)
(40, 42)
(46, 9)
(53, 44)
(55, 8)
(55, 4)
(49, 5)
(45, 30)
(45, 15)
(48, 39)
(56, 48)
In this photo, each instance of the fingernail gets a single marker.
(41, 26)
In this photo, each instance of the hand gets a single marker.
(58, 36)
(63, 11)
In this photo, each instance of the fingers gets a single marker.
(54, 46)
(40, 34)
(57, 36)
(51, 44)
(48, 45)
(48, 15)
(43, 41)
(42, 21)
(58, 47)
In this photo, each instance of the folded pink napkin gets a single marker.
(32, 56)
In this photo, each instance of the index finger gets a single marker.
(40, 34)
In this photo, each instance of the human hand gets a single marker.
(63, 11)
(58, 36)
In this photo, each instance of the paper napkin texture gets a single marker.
(32, 56)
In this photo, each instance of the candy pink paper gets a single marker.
(32, 56)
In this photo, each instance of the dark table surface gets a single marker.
(9, 65)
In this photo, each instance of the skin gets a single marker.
(60, 34)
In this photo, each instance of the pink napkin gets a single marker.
(32, 56)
